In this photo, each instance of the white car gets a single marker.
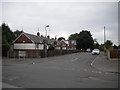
(96, 51)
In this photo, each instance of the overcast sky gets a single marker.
(64, 18)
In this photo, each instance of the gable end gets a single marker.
(23, 38)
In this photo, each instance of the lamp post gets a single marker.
(45, 47)
(46, 30)
(45, 41)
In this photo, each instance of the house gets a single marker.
(28, 42)
(72, 44)
(66, 45)
(61, 45)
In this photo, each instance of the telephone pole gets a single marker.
(104, 38)
(104, 35)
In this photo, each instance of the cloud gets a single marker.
(64, 18)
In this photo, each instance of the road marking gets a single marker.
(93, 61)
(96, 71)
(93, 78)
(75, 59)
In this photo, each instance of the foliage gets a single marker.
(96, 45)
(61, 38)
(7, 37)
(84, 39)
(118, 46)
(108, 44)
(115, 47)
(74, 36)
(17, 33)
(0, 34)
(5, 49)
(7, 34)
(102, 47)
(51, 47)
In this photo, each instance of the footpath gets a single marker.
(103, 64)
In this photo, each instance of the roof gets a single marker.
(37, 39)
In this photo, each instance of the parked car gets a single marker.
(88, 50)
(95, 51)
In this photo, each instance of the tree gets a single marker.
(115, 47)
(7, 38)
(108, 44)
(74, 36)
(96, 44)
(61, 38)
(84, 39)
(7, 34)
(118, 46)
(102, 47)
(17, 33)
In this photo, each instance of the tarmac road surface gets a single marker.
(67, 71)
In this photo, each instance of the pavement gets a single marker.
(103, 64)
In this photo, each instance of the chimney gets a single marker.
(38, 34)
(55, 38)
(52, 38)
(48, 37)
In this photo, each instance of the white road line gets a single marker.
(93, 61)
(75, 59)
(96, 71)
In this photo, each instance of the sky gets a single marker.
(64, 18)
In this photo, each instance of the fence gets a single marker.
(113, 54)
(24, 54)
(39, 54)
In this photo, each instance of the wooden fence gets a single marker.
(113, 53)
(39, 54)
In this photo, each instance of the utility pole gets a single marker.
(104, 35)
(104, 38)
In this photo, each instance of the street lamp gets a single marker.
(45, 41)
(46, 30)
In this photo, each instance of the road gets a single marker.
(67, 71)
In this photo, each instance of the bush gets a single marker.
(51, 47)
(5, 49)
